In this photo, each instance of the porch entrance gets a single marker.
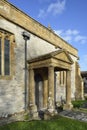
(42, 80)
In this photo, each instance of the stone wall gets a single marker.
(60, 87)
(79, 93)
(12, 92)
(73, 78)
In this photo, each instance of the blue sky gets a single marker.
(67, 18)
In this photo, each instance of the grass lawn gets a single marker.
(59, 123)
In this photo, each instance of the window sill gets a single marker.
(6, 77)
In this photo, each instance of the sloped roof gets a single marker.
(59, 54)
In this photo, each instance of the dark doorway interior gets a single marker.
(39, 91)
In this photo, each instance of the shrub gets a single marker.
(78, 103)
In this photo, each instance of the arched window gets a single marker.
(6, 53)
(6, 56)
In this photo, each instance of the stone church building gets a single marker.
(53, 72)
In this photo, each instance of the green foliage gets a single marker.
(57, 123)
(78, 103)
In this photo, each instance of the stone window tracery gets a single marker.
(6, 54)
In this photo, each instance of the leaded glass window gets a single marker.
(6, 56)
(5, 61)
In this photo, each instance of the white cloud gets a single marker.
(64, 35)
(54, 8)
(41, 13)
(71, 32)
(57, 7)
(67, 32)
(67, 38)
(58, 32)
(81, 39)
(72, 36)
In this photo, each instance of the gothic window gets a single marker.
(6, 57)
(6, 53)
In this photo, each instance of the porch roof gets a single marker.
(58, 59)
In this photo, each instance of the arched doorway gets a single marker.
(39, 91)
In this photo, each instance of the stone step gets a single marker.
(74, 115)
